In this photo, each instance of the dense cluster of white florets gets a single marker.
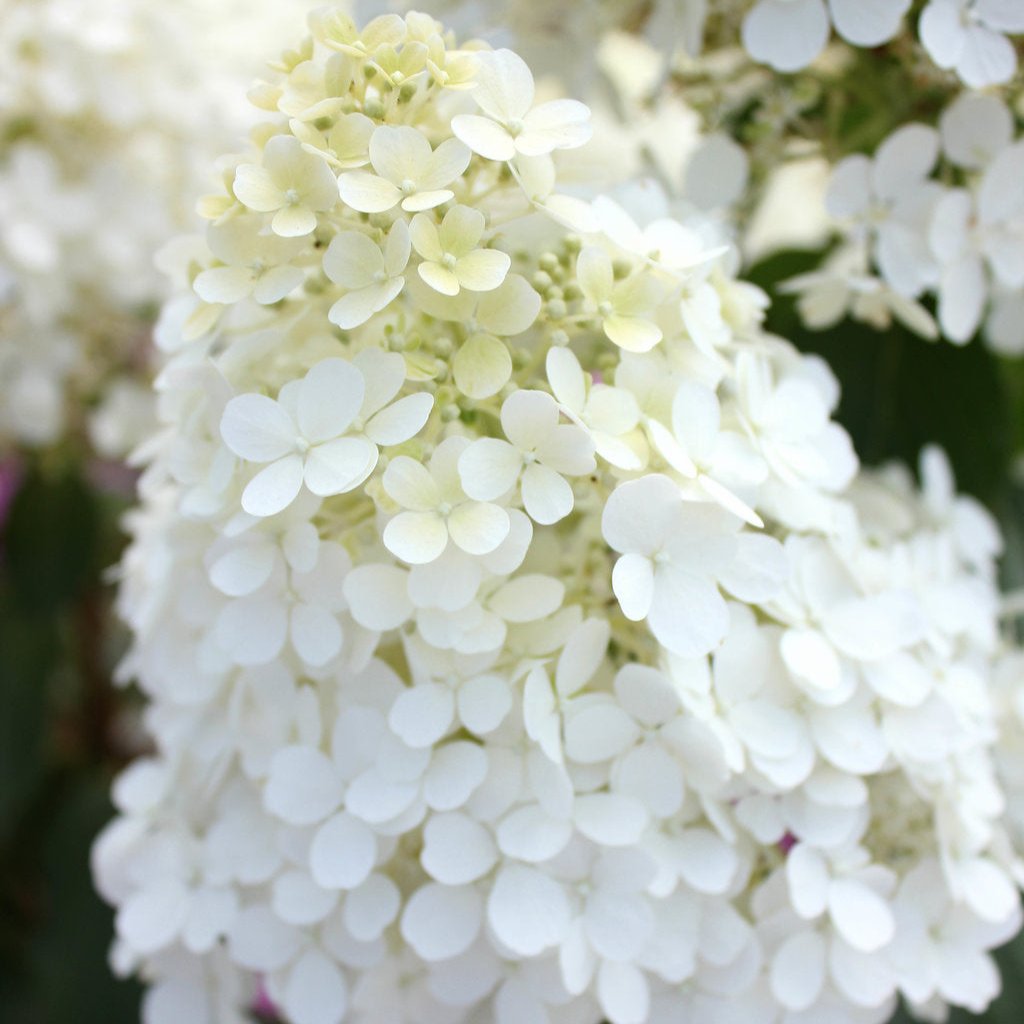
(521, 644)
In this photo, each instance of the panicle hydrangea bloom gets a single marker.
(520, 640)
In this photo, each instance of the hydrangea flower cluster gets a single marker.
(907, 232)
(521, 643)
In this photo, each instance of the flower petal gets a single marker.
(339, 466)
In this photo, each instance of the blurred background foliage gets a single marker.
(65, 729)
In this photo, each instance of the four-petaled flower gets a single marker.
(373, 278)
(626, 308)
(675, 554)
(451, 259)
(323, 430)
(292, 184)
(437, 508)
(254, 263)
(538, 451)
(408, 171)
(504, 92)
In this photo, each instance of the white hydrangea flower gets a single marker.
(977, 238)
(675, 554)
(254, 264)
(968, 36)
(891, 199)
(537, 456)
(322, 431)
(437, 508)
(291, 183)
(486, 728)
(451, 259)
(625, 308)
(505, 92)
(407, 171)
(372, 278)
(346, 146)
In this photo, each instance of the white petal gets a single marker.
(860, 915)
(482, 366)
(633, 585)
(688, 615)
(531, 835)
(316, 634)
(416, 537)
(298, 899)
(798, 971)
(504, 84)
(489, 468)
(352, 259)
(528, 910)
(410, 483)
(808, 880)
(456, 770)
(339, 466)
(483, 269)
(484, 136)
(274, 487)
(528, 598)
(904, 159)
(152, 916)
(252, 630)
(618, 925)
(868, 22)
(260, 941)
(988, 58)
(547, 496)
(355, 308)
(478, 527)
(623, 993)
(342, 853)
(400, 420)
(371, 907)
(599, 732)
(759, 570)
(875, 627)
(303, 786)
(610, 819)
(786, 35)
(243, 569)
(315, 992)
(442, 921)
(510, 309)
(483, 703)
(811, 658)
(423, 714)
(456, 849)
(367, 193)
(706, 861)
(329, 399)
(378, 596)
(224, 284)
(582, 654)
(257, 428)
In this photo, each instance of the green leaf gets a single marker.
(51, 541)
(27, 656)
(72, 979)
